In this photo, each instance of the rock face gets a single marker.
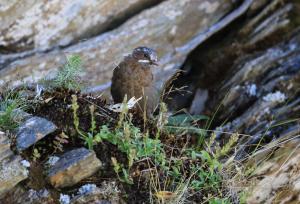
(21, 195)
(32, 130)
(43, 24)
(72, 167)
(90, 193)
(281, 177)
(11, 169)
(165, 28)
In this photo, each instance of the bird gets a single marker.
(133, 77)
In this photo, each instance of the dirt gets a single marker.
(55, 106)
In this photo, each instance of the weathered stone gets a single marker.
(274, 18)
(108, 193)
(34, 24)
(198, 103)
(72, 167)
(11, 169)
(173, 28)
(32, 130)
(260, 85)
(21, 195)
(280, 183)
(5, 151)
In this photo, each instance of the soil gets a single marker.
(55, 106)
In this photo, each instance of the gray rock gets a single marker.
(27, 24)
(21, 195)
(173, 28)
(107, 193)
(73, 166)
(32, 130)
(11, 169)
(5, 151)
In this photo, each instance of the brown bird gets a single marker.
(133, 77)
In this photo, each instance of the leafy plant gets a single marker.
(207, 175)
(89, 138)
(11, 107)
(133, 143)
(68, 75)
(118, 168)
(219, 201)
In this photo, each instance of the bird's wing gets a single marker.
(117, 86)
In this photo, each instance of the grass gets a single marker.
(90, 138)
(11, 107)
(68, 75)
(203, 171)
(170, 180)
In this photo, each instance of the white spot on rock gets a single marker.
(52, 160)
(275, 97)
(209, 7)
(86, 189)
(172, 14)
(64, 199)
(251, 89)
(25, 163)
(173, 30)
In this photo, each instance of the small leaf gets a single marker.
(185, 120)
(165, 194)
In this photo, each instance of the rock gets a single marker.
(163, 28)
(21, 195)
(273, 19)
(32, 130)
(5, 151)
(72, 167)
(11, 169)
(108, 193)
(34, 24)
(198, 103)
(257, 109)
(282, 182)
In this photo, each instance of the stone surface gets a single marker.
(281, 181)
(169, 28)
(72, 167)
(259, 92)
(32, 130)
(11, 169)
(5, 151)
(32, 24)
(21, 195)
(107, 193)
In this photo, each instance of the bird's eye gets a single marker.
(145, 55)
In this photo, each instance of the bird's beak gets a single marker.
(154, 63)
(153, 59)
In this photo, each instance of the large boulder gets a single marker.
(43, 24)
(167, 27)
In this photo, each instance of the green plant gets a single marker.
(118, 168)
(36, 154)
(89, 138)
(59, 140)
(133, 143)
(68, 75)
(207, 176)
(11, 107)
(219, 201)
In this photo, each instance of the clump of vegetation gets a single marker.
(90, 138)
(173, 172)
(170, 177)
(68, 75)
(11, 107)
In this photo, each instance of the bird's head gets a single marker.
(145, 55)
